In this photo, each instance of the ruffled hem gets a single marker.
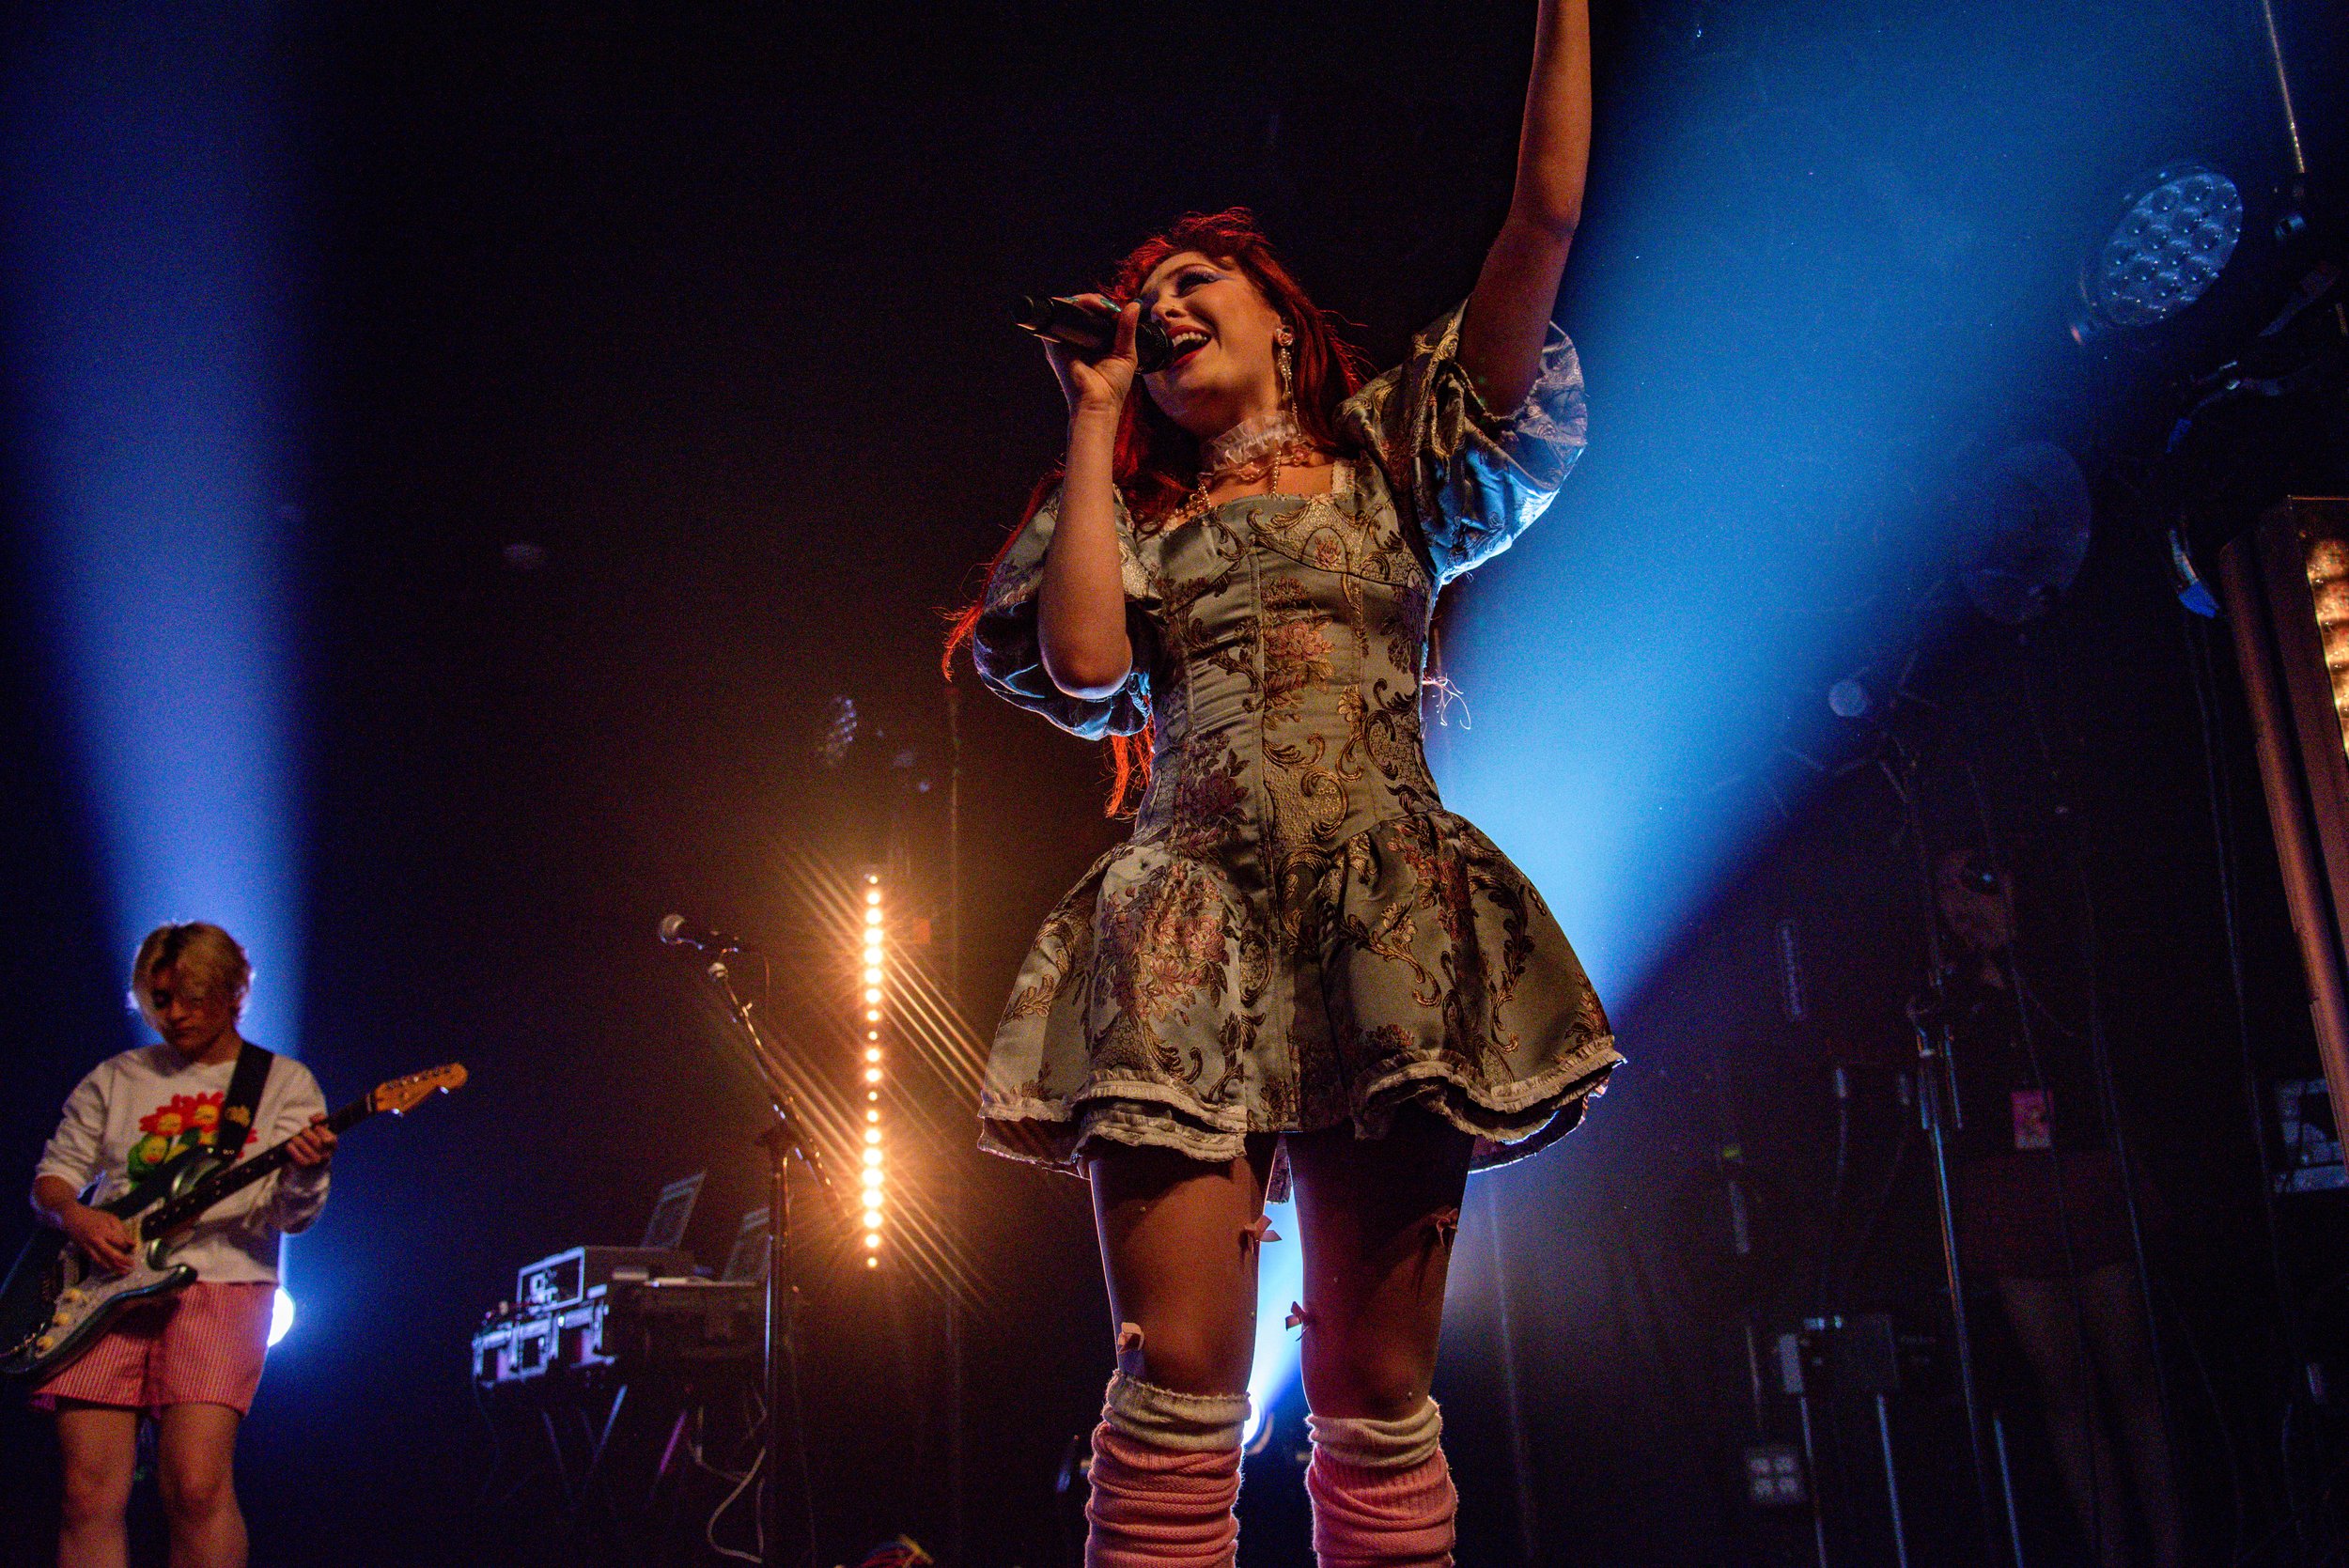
(1509, 1122)
(1436, 977)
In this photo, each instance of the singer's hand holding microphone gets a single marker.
(1090, 378)
(1090, 333)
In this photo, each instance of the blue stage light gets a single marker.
(2176, 232)
(146, 332)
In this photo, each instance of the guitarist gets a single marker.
(193, 1359)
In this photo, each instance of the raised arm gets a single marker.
(1081, 604)
(1508, 316)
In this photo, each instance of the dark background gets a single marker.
(705, 306)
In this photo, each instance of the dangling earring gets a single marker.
(1281, 361)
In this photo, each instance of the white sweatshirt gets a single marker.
(136, 1110)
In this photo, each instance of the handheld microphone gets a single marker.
(677, 932)
(1089, 331)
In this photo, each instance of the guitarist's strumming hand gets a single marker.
(99, 1234)
(314, 1145)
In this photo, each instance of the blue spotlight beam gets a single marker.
(149, 339)
(146, 331)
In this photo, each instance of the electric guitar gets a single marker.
(56, 1301)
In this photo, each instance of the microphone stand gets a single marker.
(783, 1140)
(1939, 1110)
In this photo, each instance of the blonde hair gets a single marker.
(201, 952)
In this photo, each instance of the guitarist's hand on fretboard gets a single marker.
(314, 1145)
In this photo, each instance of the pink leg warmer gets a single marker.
(1382, 1494)
(1166, 1475)
(1156, 1508)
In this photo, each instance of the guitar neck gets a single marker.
(190, 1205)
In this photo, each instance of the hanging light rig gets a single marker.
(874, 971)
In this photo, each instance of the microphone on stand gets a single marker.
(1091, 331)
(675, 931)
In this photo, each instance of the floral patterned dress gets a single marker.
(1298, 935)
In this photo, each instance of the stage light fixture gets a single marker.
(2023, 527)
(873, 976)
(2177, 230)
(2328, 590)
(280, 1316)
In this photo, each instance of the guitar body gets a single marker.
(56, 1303)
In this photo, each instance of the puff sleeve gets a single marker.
(1009, 652)
(1467, 480)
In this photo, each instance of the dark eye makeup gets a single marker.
(1183, 282)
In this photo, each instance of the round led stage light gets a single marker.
(2178, 227)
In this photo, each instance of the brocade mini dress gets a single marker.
(1298, 935)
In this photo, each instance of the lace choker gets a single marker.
(1251, 441)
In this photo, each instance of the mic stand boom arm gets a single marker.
(783, 1140)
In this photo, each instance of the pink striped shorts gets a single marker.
(203, 1346)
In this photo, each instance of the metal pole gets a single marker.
(2006, 1489)
(1937, 1096)
(2274, 39)
(783, 1141)
(1933, 1070)
(778, 1347)
(1811, 1462)
(957, 1352)
(1891, 1480)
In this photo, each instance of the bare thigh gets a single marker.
(196, 1449)
(98, 1445)
(1379, 1215)
(2041, 1312)
(1178, 1243)
(2117, 1335)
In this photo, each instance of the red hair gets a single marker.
(1156, 465)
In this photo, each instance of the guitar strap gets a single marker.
(244, 1099)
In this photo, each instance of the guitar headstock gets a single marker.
(404, 1093)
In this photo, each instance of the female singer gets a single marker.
(1299, 963)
